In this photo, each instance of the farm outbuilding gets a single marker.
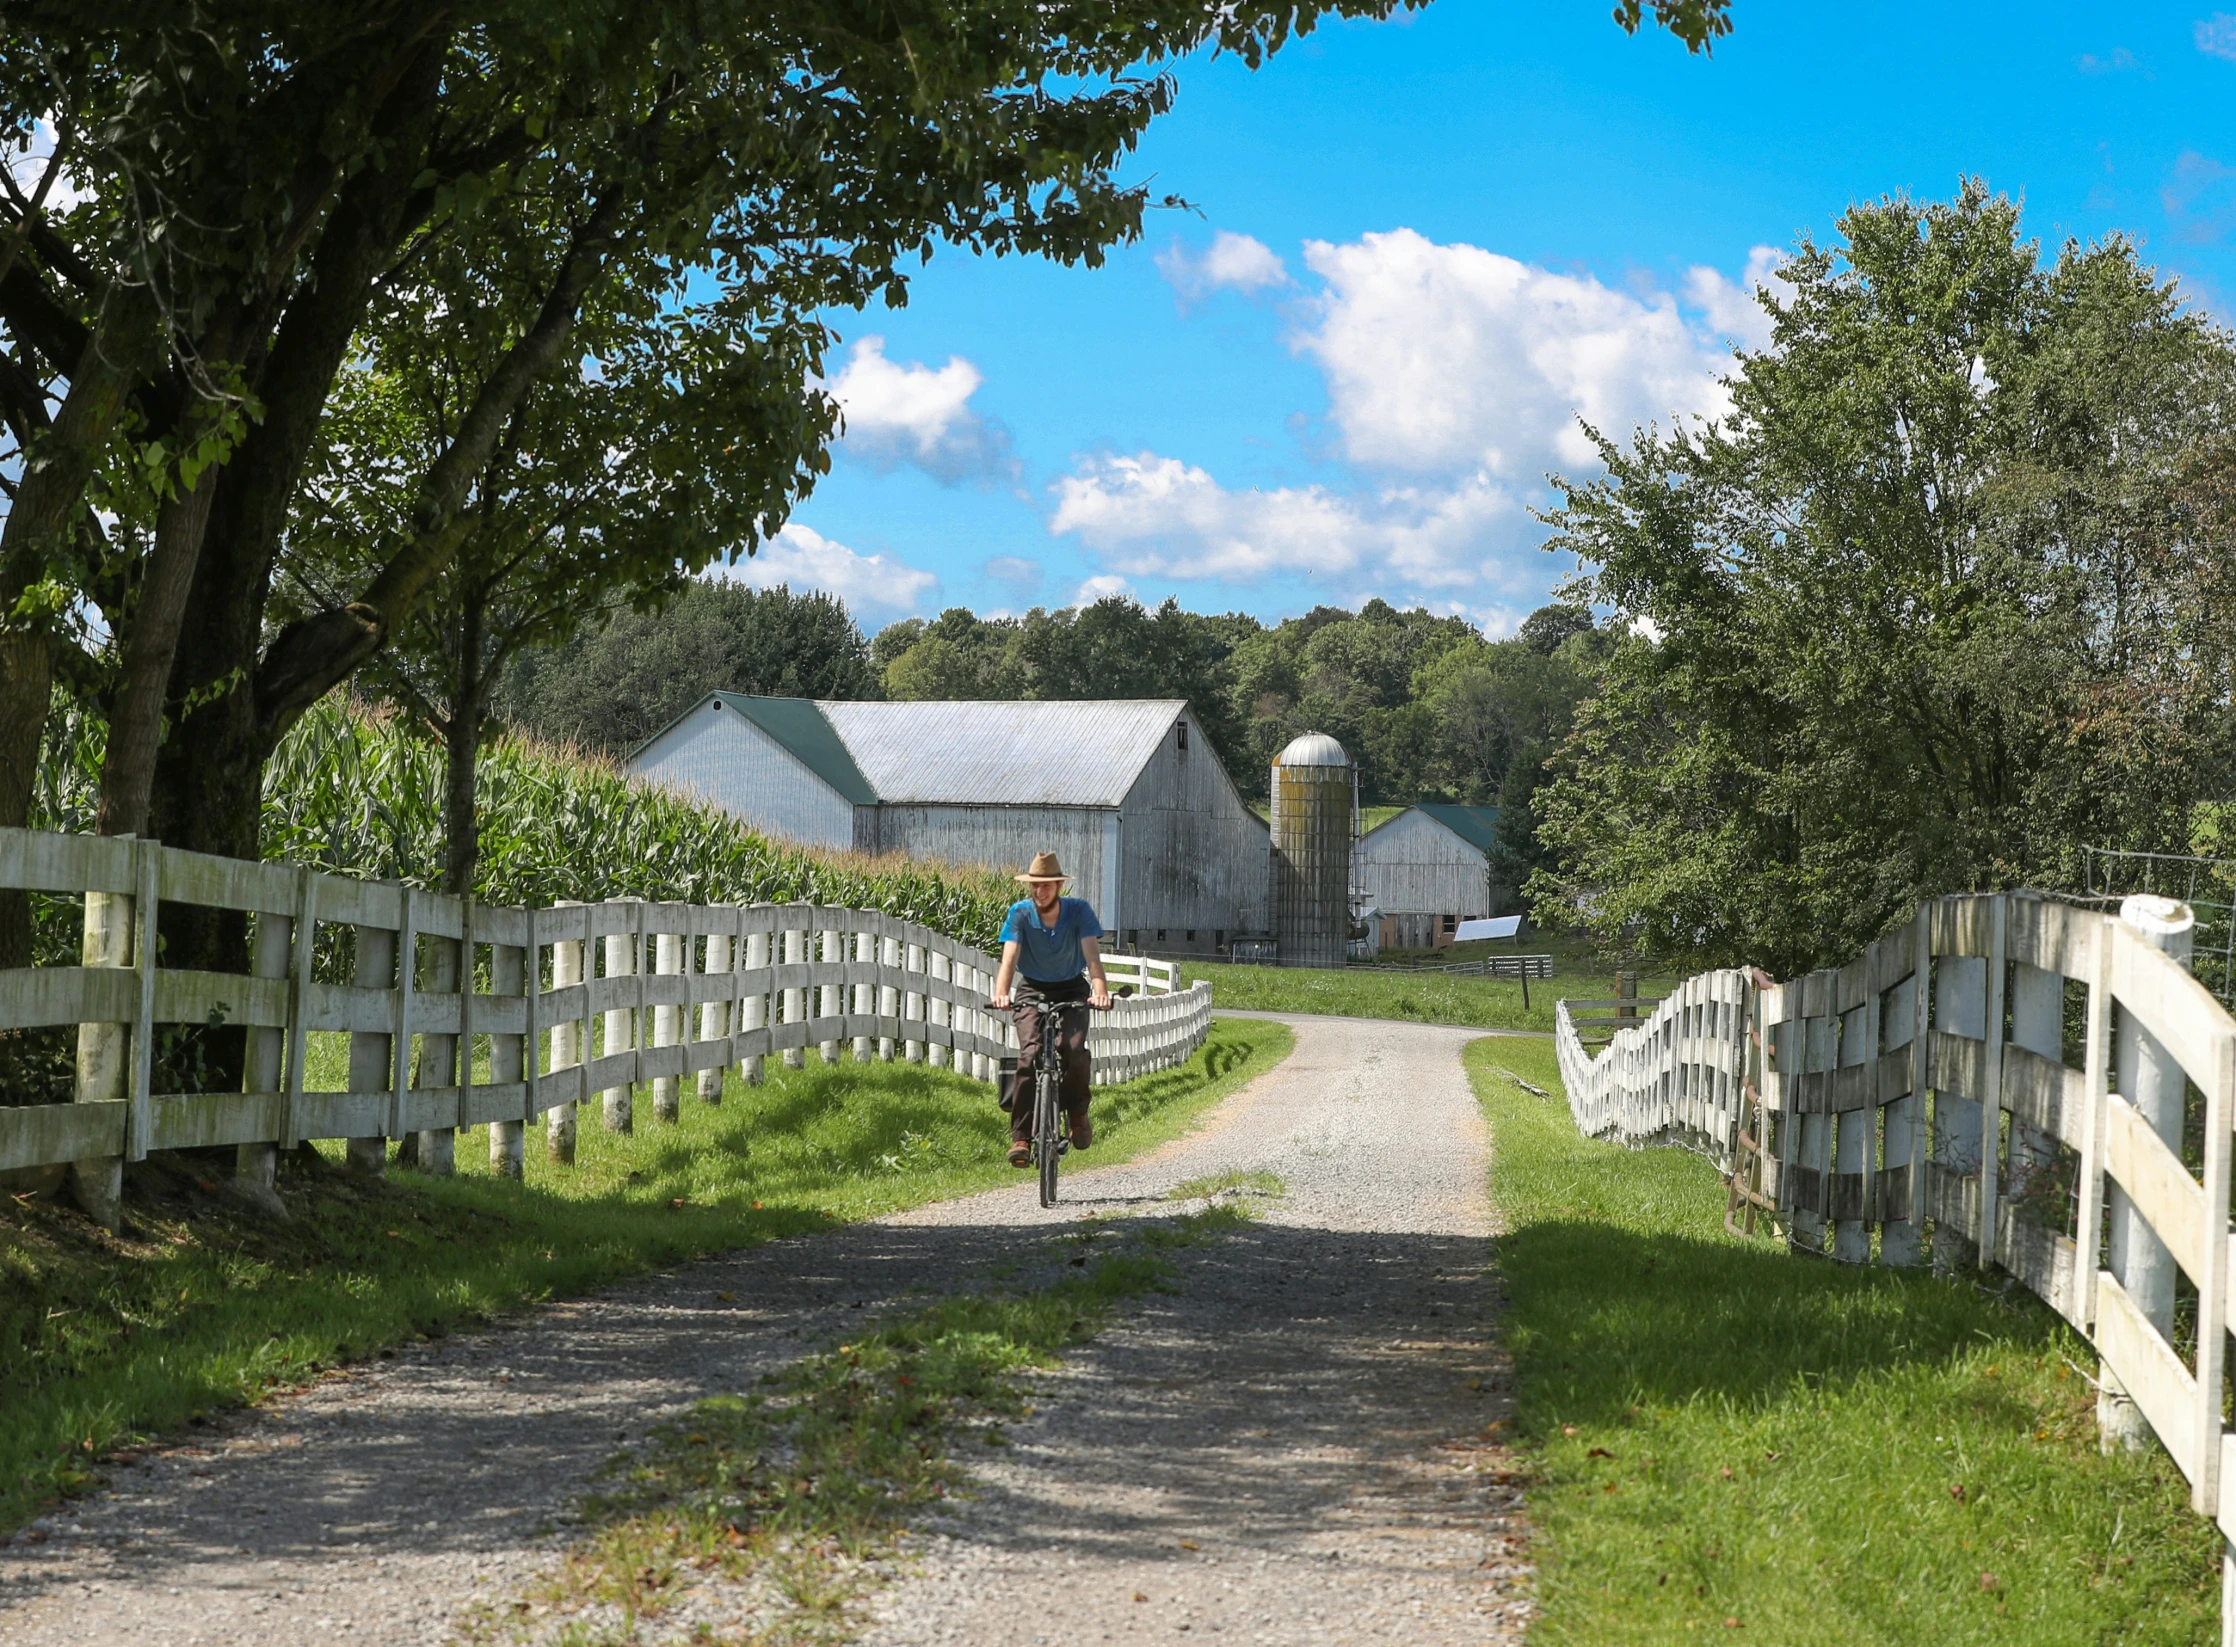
(1128, 793)
(1425, 871)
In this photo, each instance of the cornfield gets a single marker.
(357, 792)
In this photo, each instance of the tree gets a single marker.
(681, 432)
(634, 669)
(1907, 623)
(249, 179)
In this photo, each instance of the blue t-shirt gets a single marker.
(1050, 955)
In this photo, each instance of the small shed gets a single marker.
(1426, 870)
(1127, 792)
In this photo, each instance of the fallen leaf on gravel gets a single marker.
(726, 1297)
(1138, 1596)
(1190, 1544)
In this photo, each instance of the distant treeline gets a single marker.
(1428, 707)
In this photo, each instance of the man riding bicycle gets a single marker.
(1048, 940)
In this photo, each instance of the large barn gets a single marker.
(1426, 870)
(1129, 794)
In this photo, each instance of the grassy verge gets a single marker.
(1425, 997)
(767, 1517)
(200, 1306)
(1733, 1438)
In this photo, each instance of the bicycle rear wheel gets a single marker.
(1048, 1135)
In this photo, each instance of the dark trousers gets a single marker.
(1071, 1049)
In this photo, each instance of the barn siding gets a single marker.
(1195, 856)
(1414, 865)
(726, 760)
(1006, 837)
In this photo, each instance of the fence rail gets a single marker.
(2004, 1077)
(460, 1013)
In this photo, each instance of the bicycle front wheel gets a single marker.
(1048, 1135)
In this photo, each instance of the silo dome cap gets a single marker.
(1313, 749)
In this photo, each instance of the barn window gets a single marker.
(1218, 937)
(1191, 935)
(1451, 923)
(1182, 731)
(1160, 935)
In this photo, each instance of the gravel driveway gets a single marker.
(1293, 1447)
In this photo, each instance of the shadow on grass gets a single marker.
(1674, 1319)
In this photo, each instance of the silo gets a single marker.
(1313, 786)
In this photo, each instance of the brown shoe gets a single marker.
(1021, 1152)
(1082, 1134)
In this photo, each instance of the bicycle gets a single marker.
(1050, 1142)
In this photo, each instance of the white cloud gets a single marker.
(2216, 35)
(1451, 358)
(1731, 307)
(906, 412)
(1231, 260)
(874, 587)
(2119, 61)
(1100, 587)
(1149, 515)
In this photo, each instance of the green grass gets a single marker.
(1425, 997)
(1826, 1455)
(795, 1494)
(1233, 1182)
(199, 1306)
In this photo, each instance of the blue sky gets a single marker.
(1421, 249)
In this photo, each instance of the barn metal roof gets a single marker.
(1476, 825)
(1002, 754)
(796, 724)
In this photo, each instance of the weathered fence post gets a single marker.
(940, 1054)
(912, 1007)
(265, 1067)
(795, 999)
(104, 1067)
(370, 1050)
(669, 950)
(888, 995)
(714, 1016)
(622, 961)
(1906, 1027)
(2148, 1076)
(570, 1040)
(1855, 1145)
(512, 972)
(1960, 1008)
(1818, 1032)
(831, 949)
(439, 1055)
(861, 998)
(754, 1008)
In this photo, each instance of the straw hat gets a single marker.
(1044, 867)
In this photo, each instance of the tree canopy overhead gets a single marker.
(1922, 615)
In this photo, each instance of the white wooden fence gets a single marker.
(683, 990)
(2006, 1077)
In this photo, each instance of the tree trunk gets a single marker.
(150, 645)
(469, 700)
